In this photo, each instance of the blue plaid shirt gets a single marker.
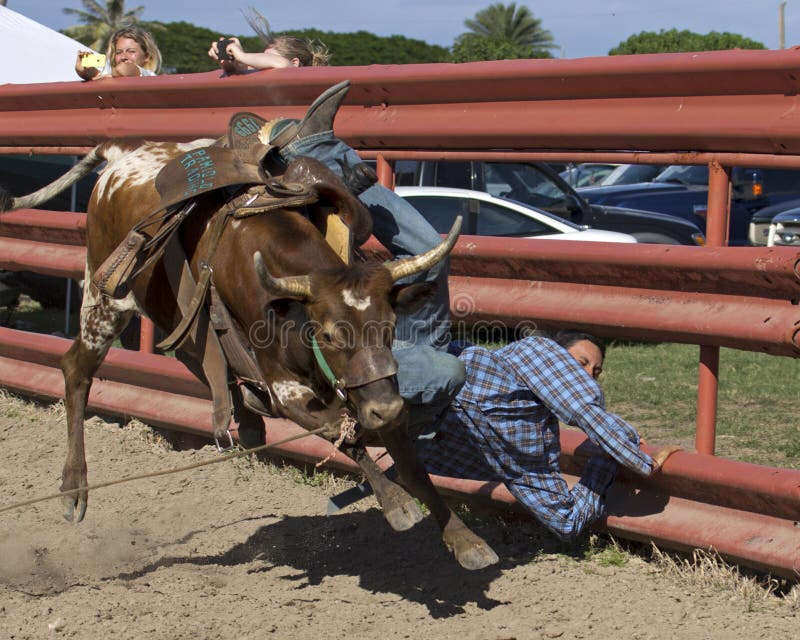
(504, 426)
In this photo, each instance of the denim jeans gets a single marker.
(428, 376)
(428, 380)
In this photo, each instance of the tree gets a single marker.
(472, 48)
(502, 23)
(674, 41)
(365, 48)
(100, 21)
(184, 47)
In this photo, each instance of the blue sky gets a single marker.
(580, 27)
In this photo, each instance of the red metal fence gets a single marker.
(720, 108)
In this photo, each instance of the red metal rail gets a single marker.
(736, 297)
(743, 101)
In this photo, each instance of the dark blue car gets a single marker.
(682, 190)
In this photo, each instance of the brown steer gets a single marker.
(319, 329)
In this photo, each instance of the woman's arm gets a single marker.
(241, 61)
(263, 60)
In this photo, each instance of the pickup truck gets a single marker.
(538, 185)
(682, 190)
(776, 225)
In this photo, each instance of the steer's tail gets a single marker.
(89, 162)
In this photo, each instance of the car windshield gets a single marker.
(631, 174)
(524, 183)
(586, 174)
(684, 174)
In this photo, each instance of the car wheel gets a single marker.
(654, 238)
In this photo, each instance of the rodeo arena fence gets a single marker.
(721, 109)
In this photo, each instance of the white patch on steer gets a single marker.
(141, 165)
(98, 315)
(289, 391)
(357, 302)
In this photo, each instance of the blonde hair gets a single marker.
(144, 39)
(310, 53)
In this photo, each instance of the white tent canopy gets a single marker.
(32, 52)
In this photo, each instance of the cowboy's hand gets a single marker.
(661, 454)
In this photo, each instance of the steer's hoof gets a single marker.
(403, 516)
(477, 557)
(74, 507)
(470, 550)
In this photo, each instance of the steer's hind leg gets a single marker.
(102, 320)
(399, 508)
(470, 550)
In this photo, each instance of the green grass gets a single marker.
(605, 552)
(654, 386)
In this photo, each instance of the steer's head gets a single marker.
(351, 318)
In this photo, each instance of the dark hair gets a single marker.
(567, 337)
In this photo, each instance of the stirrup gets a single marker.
(221, 448)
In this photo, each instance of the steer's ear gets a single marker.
(408, 298)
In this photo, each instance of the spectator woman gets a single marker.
(283, 51)
(132, 51)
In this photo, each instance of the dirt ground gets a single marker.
(244, 550)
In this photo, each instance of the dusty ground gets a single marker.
(242, 550)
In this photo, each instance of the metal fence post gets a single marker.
(719, 187)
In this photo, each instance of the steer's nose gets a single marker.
(376, 414)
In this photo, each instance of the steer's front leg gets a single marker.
(399, 508)
(471, 551)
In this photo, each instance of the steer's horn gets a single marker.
(415, 264)
(297, 287)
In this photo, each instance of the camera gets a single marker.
(222, 53)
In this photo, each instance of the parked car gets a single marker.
(682, 190)
(776, 225)
(537, 185)
(487, 215)
(785, 229)
(631, 174)
(586, 174)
